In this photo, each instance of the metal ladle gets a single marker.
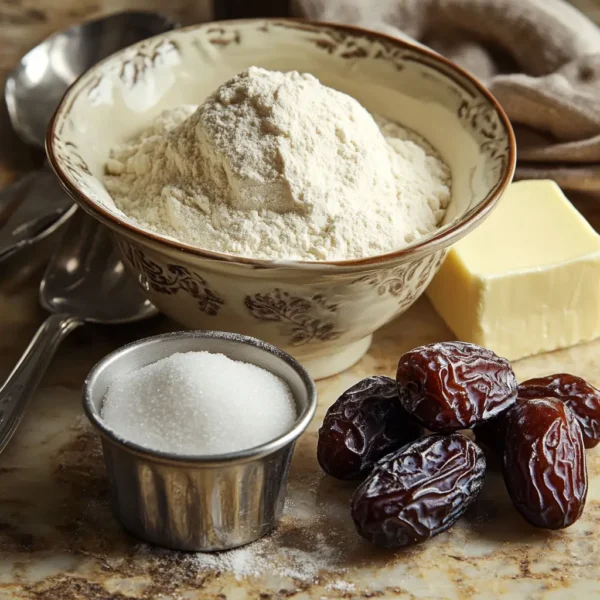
(85, 282)
(32, 93)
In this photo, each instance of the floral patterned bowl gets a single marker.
(323, 313)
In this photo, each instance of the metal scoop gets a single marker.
(36, 203)
(84, 282)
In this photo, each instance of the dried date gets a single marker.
(365, 423)
(544, 463)
(454, 385)
(582, 398)
(419, 491)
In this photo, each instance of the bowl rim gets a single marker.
(437, 240)
(213, 460)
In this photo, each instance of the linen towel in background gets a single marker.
(540, 58)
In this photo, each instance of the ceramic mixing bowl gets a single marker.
(322, 313)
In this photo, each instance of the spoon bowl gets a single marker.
(35, 86)
(33, 91)
(86, 278)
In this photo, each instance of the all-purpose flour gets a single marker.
(278, 166)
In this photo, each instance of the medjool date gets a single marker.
(544, 463)
(365, 423)
(419, 491)
(454, 385)
(582, 398)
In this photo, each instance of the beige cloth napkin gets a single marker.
(540, 58)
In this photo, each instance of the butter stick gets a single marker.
(527, 280)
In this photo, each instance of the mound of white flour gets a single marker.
(278, 166)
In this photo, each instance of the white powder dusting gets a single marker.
(278, 166)
(340, 585)
(262, 557)
(315, 542)
(199, 403)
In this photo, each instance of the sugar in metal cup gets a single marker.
(201, 503)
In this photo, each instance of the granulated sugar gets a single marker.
(199, 403)
(278, 166)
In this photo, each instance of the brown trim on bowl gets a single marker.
(439, 239)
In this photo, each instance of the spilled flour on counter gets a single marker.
(303, 547)
(315, 542)
(278, 166)
(260, 558)
(315, 538)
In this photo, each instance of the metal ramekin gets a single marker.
(202, 503)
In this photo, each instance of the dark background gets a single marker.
(237, 9)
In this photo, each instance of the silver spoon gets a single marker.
(40, 208)
(32, 92)
(85, 282)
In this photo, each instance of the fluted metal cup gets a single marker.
(202, 503)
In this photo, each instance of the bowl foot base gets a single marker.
(327, 364)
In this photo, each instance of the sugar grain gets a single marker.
(199, 403)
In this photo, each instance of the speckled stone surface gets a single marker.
(58, 539)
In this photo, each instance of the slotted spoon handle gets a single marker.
(21, 384)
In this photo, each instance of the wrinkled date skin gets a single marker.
(419, 491)
(365, 423)
(544, 463)
(454, 385)
(582, 398)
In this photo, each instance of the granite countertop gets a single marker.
(58, 539)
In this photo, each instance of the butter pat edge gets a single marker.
(522, 312)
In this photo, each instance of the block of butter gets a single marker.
(527, 280)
